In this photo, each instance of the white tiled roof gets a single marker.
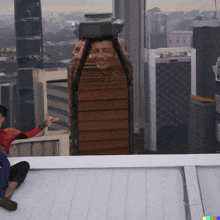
(126, 187)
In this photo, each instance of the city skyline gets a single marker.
(7, 6)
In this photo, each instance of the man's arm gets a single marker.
(41, 127)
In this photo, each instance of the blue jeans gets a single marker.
(4, 172)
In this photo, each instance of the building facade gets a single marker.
(180, 39)
(156, 28)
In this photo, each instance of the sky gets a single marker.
(7, 6)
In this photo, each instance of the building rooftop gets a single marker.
(181, 32)
(118, 187)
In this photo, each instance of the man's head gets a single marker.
(103, 54)
(3, 114)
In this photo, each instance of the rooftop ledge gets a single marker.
(119, 161)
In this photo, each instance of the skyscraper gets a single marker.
(1, 42)
(29, 46)
(156, 25)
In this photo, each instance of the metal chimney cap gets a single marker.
(200, 18)
(119, 21)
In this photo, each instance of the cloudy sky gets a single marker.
(7, 6)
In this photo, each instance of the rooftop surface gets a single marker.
(124, 187)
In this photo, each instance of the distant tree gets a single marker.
(74, 16)
(154, 10)
(57, 52)
(64, 34)
(176, 15)
(9, 37)
(184, 25)
(192, 14)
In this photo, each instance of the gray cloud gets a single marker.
(6, 3)
(58, 3)
(174, 5)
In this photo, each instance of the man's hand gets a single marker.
(50, 120)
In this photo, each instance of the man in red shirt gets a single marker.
(10, 180)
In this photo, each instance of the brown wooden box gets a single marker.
(103, 110)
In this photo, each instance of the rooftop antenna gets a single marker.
(215, 13)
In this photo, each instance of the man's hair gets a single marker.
(3, 111)
(103, 38)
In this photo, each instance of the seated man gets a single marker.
(18, 171)
(4, 177)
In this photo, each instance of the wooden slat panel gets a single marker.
(103, 105)
(103, 94)
(91, 76)
(116, 151)
(100, 145)
(103, 135)
(104, 91)
(100, 77)
(101, 85)
(103, 115)
(93, 81)
(100, 125)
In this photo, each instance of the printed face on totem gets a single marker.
(103, 54)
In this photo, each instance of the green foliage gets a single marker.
(185, 25)
(59, 52)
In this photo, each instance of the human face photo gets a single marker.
(103, 54)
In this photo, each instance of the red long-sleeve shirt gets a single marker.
(9, 134)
